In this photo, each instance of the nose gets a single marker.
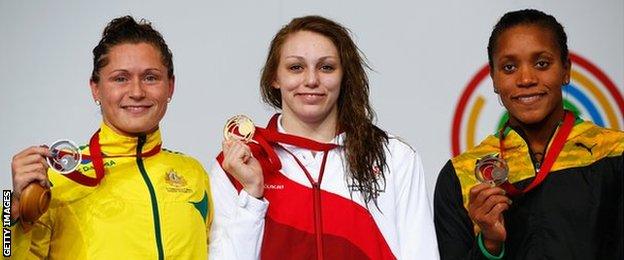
(312, 79)
(137, 90)
(526, 77)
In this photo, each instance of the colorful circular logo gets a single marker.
(591, 94)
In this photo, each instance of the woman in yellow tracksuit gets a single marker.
(129, 197)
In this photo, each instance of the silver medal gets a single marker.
(492, 170)
(66, 156)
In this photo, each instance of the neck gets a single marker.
(319, 130)
(128, 134)
(538, 135)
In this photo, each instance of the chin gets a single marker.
(137, 128)
(312, 115)
(530, 117)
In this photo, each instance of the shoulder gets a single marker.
(461, 168)
(588, 144)
(467, 159)
(607, 142)
(180, 156)
(181, 160)
(398, 146)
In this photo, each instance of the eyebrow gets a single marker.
(301, 58)
(534, 54)
(145, 70)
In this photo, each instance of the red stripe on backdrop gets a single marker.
(461, 106)
(603, 78)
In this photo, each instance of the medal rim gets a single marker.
(495, 181)
(74, 146)
(237, 121)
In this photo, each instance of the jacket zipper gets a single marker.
(153, 199)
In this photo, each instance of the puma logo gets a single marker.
(582, 145)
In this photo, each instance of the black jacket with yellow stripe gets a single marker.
(576, 213)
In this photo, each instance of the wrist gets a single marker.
(491, 249)
(494, 247)
(15, 213)
(255, 190)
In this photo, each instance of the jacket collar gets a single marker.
(114, 144)
(338, 139)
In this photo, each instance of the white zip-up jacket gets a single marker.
(297, 220)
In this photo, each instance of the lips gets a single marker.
(136, 109)
(528, 99)
(311, 98)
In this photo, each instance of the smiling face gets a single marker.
(528, 74)
(133, 89)
(309, 75)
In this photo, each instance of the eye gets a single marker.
(542, 64)
(150, 78)
(295, 68)
(120, 79)
(327, 68)
(509, 68)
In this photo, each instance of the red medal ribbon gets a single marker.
(98, 162)
(549, 160)
(266, 137)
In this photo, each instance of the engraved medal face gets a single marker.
(239, 127)
(492, 170)
(65, 157)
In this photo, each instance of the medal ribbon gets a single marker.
(98, 162)
(265, 138)
(549, 160)
(263, 150)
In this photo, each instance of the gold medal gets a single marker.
(239, 127)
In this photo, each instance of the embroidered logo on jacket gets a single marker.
(588, 148)
(177, 182)
(87, 167)
(374, 191)
(269, 186)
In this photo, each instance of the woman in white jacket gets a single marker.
(321, 180)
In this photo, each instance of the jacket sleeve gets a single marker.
(210, 215)
(238, 224)
(415, 226)
(33, 244)
(454, 229)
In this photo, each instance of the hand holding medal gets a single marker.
(63, 156)
(239, 127)
(238, 159)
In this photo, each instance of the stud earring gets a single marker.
(168, 100)
(97, 102)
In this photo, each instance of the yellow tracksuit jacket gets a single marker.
(144, 208)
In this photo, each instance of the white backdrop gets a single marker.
(423, 54)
